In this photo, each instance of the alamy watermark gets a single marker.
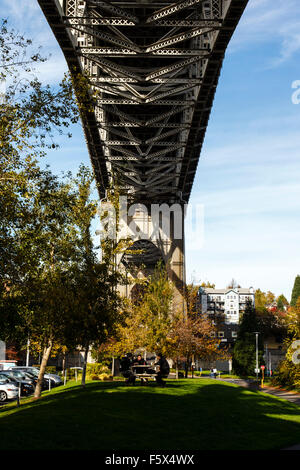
(296, 354)
(154, 222)
(296, 94)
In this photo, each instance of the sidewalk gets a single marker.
(290, 396)
(294, 397)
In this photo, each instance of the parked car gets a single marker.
(26, 387)
(8, 391)
(21, 375)
(55, 379)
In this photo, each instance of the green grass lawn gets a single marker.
(199, 414)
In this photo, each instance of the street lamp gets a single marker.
(256, 341)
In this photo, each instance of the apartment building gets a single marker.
(225, 307)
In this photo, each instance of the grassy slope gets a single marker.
(187, 415)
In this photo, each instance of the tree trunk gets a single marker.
(86, 351)
(176, 369)
(64, 364)
(46, 355)
(187, 366)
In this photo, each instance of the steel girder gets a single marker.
(154, 65)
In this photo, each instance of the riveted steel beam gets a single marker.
(153, 68)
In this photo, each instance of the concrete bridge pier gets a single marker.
(158, 236)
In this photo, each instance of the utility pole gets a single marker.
(256, 342)
(28, 351)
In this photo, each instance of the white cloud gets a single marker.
(18, 10)
(266, 21)
(251, 195)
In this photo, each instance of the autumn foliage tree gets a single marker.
(288, 373)
(192, 334)
(148, 321)
(154, 325)
(47, 264)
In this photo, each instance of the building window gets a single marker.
(234, 334)
(221, 334)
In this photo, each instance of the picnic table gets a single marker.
(144, 374)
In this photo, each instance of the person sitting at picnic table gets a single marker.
(164, 369)
(139, 361)
(125, 369)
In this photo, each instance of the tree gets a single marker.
(282, 303)
(244, 351)
(295, 291)
(30, 116)
(192, 335)
(47, 247)
(37, 235)
(208, 284)
(98, 306)
(263, 299)
(147, 323)
(288, 373)
(233, 284)
(292, 320)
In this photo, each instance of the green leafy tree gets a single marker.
(295, 291)
(31, 115)
(98, 304)
(282, 303)
(148, 322)
(244, 352)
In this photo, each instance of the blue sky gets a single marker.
(248, 176)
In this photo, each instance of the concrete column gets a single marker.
(2, 351)
(164, 227)
(175, 261)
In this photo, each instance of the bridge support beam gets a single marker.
(157, 235)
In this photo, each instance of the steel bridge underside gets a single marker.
(153, 68)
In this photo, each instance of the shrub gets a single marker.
(105, 377)
(97, 368)
(287, 375)
(94, 377)
(49, 369)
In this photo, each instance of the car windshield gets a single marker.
(25, 371)
(4, 376)
(3, 380)
(29, 376)
(12, 379)
(18, 373)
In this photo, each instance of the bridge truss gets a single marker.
(154, 65)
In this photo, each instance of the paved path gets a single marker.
(294, 397)
(291, 396)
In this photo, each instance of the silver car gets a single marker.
(8, 391)
(55, 379)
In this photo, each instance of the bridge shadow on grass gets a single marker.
(186, 415)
